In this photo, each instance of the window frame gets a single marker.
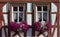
(42, 11)
(18, 12)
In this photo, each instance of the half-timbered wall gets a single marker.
(29, 13)
(5, 10)
(54, 11)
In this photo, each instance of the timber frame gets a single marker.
(56, 2)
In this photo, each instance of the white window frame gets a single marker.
(18, 12)
(42, 11)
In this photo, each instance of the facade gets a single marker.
(32, 11)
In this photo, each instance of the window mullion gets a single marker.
(42, 13)
(18, 14)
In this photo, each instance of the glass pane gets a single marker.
(40, 16)
(15, 8)
(21, 8)
(45, 16)
(20, 17)
(44, 8)
(15, 17)
(39, 8)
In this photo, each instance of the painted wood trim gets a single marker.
(58, 35)
(34, 11)
(33, 19)
(10, 12)
(54, 26)
(14, 4)
(5, 13)
(29, 13)
(59, 19)
(25, 11)
(53, 12)
(9, 35)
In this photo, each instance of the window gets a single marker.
(18, 14)
(42, 13)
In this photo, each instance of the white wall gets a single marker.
(53, 18)
(55, 33)
(36, 15)
(29, 16)
(5, 9)
(29, 19)
(29, 7)
(53, 7)
(5, 18)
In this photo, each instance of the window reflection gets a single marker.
(20, 17)
(15, 17)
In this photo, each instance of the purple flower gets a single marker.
(25, 25)
(37, 26)
(48, 25)
(13, 26)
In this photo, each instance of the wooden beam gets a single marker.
(53, 12)
(29, 13)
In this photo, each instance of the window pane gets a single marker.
(20, 17)
(15, 8)
(39, 8)
(21, 8)
(44, 8)
(45, 16)
(40, 16)
(15, 17)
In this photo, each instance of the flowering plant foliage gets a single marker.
(46, 27)
(37, 26)
(25, 26)
(13, 26)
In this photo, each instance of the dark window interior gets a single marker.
(39, 8)
(21, 8)
(44, 8)
(15, 8)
